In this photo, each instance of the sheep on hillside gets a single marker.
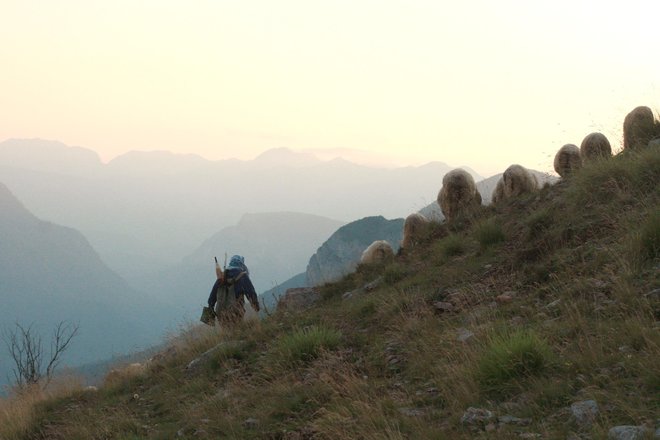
(377, 252)
(413, 229)
(639, 127)
(594, 146)
(567, 160)
(498, 192)
(516, 180)
(458, 193)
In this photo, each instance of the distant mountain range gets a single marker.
(144, 211)
(50, 273)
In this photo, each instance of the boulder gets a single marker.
(584, 413)
(298, 298)
(627, 432)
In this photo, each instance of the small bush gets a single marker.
(452, 245)
(394, 273)
(306, 344)
(489, 233)
(510, 356)
(538, 222)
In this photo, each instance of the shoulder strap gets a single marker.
(231, 281)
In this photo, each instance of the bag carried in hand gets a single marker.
(208, 316)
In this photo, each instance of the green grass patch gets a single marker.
(303, 345)
(618, 179)
(511, 356)
(452, 246)
(538, 222)
(489, 233)
(394, 273)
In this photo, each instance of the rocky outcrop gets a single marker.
(341, 253)
(298, 298)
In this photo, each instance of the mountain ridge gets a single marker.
(145, 222)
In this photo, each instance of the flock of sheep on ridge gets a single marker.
(459, 193)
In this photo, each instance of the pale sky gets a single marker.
(480, 83)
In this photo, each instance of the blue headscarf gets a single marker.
(237, 263)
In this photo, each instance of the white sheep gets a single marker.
(498, 192)
(639, 127)
(567, 160)
(515, 180)
(377, 252)
(458, 193)
(413, 229)
(595, 146)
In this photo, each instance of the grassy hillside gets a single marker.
(522, 310)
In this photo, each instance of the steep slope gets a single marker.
(539, 320)
(49, 273)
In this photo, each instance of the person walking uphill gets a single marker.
(229, 292)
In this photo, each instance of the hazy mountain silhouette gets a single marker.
(50, 273)
(49, 156)
(143, 211)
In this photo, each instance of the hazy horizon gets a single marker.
(480, 84)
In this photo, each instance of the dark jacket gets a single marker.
(242, 286)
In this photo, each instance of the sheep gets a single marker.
(515, 180)
(594, 146)
(458, 193)
(413, 229)
(498, 192)
(567, 160)
(639, 127)
(377, 252)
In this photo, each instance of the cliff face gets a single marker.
(341, 253)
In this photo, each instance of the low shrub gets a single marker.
(306, 344)
(394, 273)
(538, 222)
(489, 233)
(510, 356)
(452, 245)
